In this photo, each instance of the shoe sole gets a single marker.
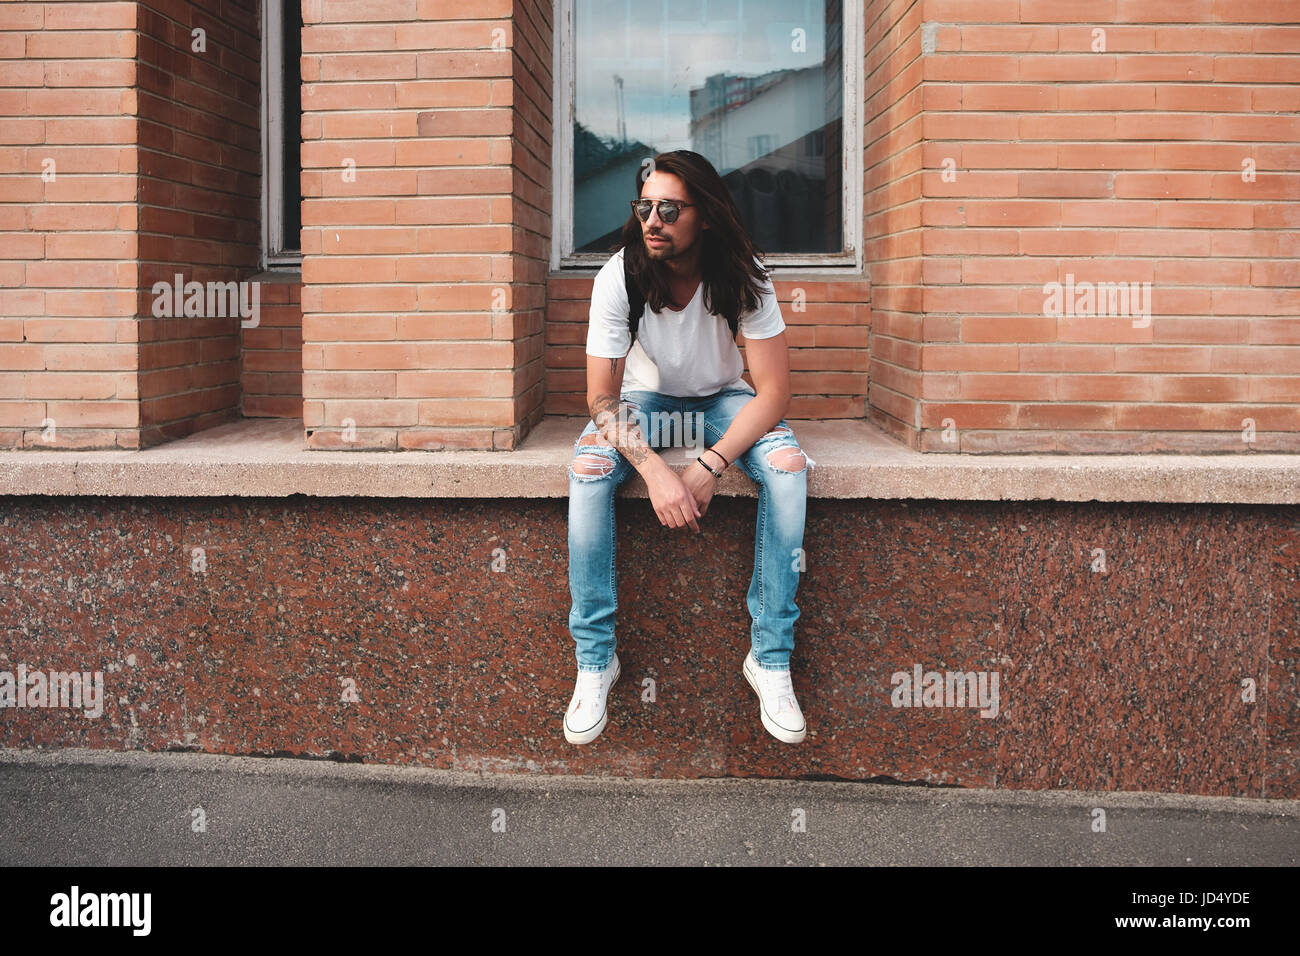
(772, 727)
(587, 736)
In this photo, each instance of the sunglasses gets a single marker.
(668, 209)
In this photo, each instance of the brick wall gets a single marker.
(271, 383)
(422, 266)
(67, 225)
(893, 228)
(131, 157)
(530, 159)
(1009, 145)
(199, 201)
(1125, 141)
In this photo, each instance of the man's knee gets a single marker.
(787, 459)
(592, 463)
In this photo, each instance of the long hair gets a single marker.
(732, 280)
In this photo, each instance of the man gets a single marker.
(690, 259)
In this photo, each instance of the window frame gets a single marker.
(273, 252)
(850, 260)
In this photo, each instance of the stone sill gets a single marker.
(265, 457)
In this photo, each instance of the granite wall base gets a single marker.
(1136, 646)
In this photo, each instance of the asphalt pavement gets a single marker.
(93, 808)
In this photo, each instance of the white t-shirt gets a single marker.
(688, 353)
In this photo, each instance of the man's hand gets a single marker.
(700, 483)
(673, 501)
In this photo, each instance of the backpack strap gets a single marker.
(635, 300)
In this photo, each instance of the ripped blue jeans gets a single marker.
(776, 465)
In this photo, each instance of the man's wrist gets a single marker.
(711, 468)
(651, 464)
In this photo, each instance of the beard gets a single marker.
(669, 250)
(665, 251)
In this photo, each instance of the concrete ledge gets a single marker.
(268, 458)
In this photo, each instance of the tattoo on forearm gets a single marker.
(625, 434)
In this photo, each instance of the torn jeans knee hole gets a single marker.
(789, 459)
(592, 464)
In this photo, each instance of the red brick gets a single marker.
(973, 357)
(982, 67)
(1009, 328)
(1063, 415)
(1065, 185)
(1182, 38)
(1015, 213)
(1067, 242)
(1162, 358)
(1103, 388)
(1274, 331)
(1074, 127)
(1107, 97)
(1183, 329)
(1273, 388)
(967, 300)
(1204, 215)
(1200, 272)
(1008, 96)
(1162, 185)
(1108, 214)
(1011, 271)
(1163, 68)
(1016, 387)
(1255, 360)
(977, 11)
(1103, 328)
(968, 414)
(1202, 98)
(1200, 388)
(1067, 11)
(1067, 358)
(1157, 126)
(1011, 38)
(1280, 273)
(1255, 301)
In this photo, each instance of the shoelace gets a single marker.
(779, 685)
(588, 688)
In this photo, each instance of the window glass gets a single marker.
(756, 86)
(291, 192)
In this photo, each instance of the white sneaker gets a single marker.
(777, 704)
(587, 713)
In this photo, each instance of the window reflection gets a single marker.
(754, 85)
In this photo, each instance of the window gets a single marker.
(765, 89)
(281, 133)
(760, 146)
